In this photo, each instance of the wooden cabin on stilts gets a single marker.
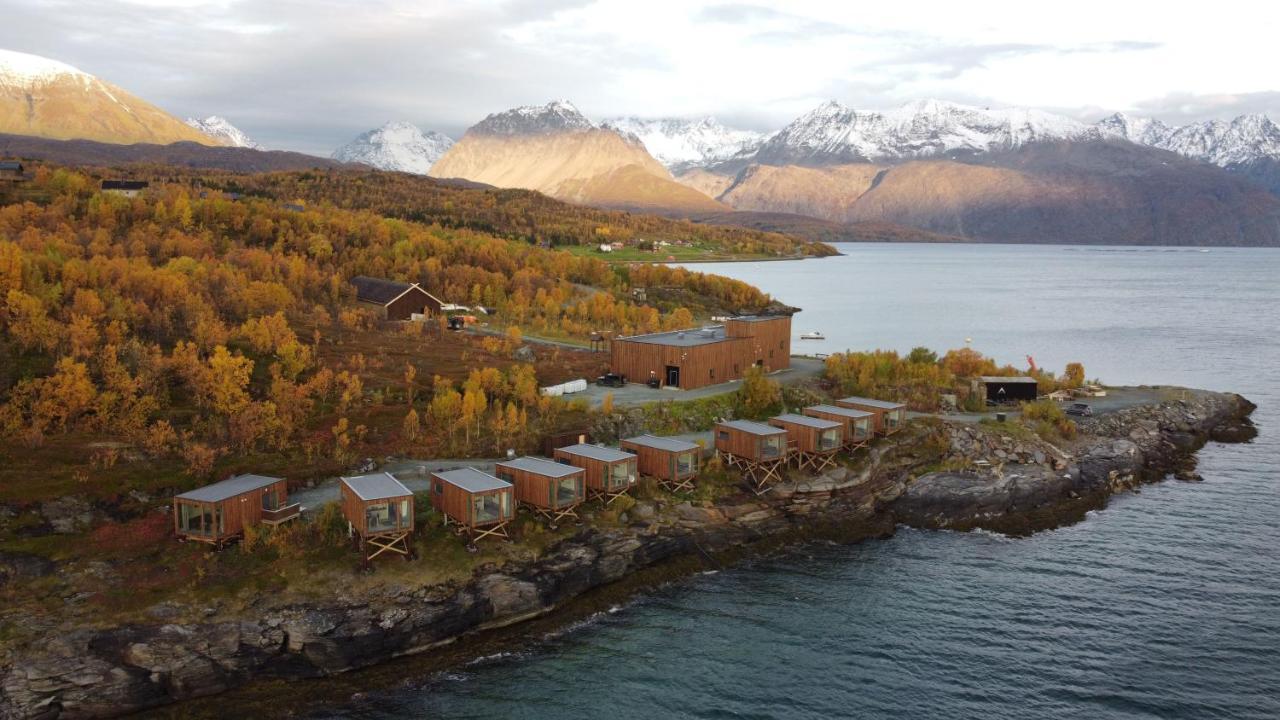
(379, 513)
(672, 462)
(760, 451)
(887, 417)
(553, 490)
(610, 472)
(218, 514)
(480, 504)
(857, 423)
(814, 441)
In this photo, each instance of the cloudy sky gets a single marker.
(310, 74)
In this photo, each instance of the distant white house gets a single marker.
(606, 247)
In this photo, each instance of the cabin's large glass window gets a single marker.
(619, 475)
(770, 446)
(893, 419)
(684, 463)
(270, 499)
(191, 519)
(829, 439)
(566, 491)
(219, 522)
(489, 508)
(384, 516)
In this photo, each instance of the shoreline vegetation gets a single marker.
(205, 328)
(933, 474)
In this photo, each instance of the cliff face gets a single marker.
(92, 672)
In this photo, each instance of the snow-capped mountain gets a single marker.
(557, 116)
(1242, 140)
(399, 146)
(681, 143)
(221, 129)
(835, 133)
(48, 98)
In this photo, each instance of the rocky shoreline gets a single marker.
(935, 474)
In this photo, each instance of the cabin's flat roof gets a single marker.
(752, 427)
(228, 488)
(683, 338)
(1017, 379)
(846, 412)
(472, 480)
(663, 443)
(541, 466)
(378, 486)
(807, 421)
(598, 452)
(759, 318)
(869, 402)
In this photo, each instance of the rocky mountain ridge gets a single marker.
(221, 129)
(51, 99)
(398, 146)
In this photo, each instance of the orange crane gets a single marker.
(1032, 362)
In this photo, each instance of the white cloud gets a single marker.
(310, 74)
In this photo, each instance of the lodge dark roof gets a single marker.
(752, 427)
(541, 466)
(125, 184)
(472, 480)
(664, 443)
(996, 379)
(11, 166)
(228, 488)
(380, 291)
(380, 486)
(598, 452)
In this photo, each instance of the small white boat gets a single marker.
(812, 335)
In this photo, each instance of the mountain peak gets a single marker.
(26, 69)
(556, 116)
(682, 143)
(397, 145)
(221, 129)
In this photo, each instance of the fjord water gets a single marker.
(1166, 604)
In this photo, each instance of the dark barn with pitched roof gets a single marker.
(396, 300)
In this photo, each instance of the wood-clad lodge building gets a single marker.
(219, 513)
(857, 423)
(887, 417)
(609, 472)
(475, 500)
(395, 300)
(689, 359)
(550, 488)
(379, 510)
(672, 462)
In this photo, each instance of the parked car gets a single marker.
(611, 380)
(1081, 409)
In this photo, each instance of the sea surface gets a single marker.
(1166, 604)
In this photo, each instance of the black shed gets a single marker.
(1010, 389)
